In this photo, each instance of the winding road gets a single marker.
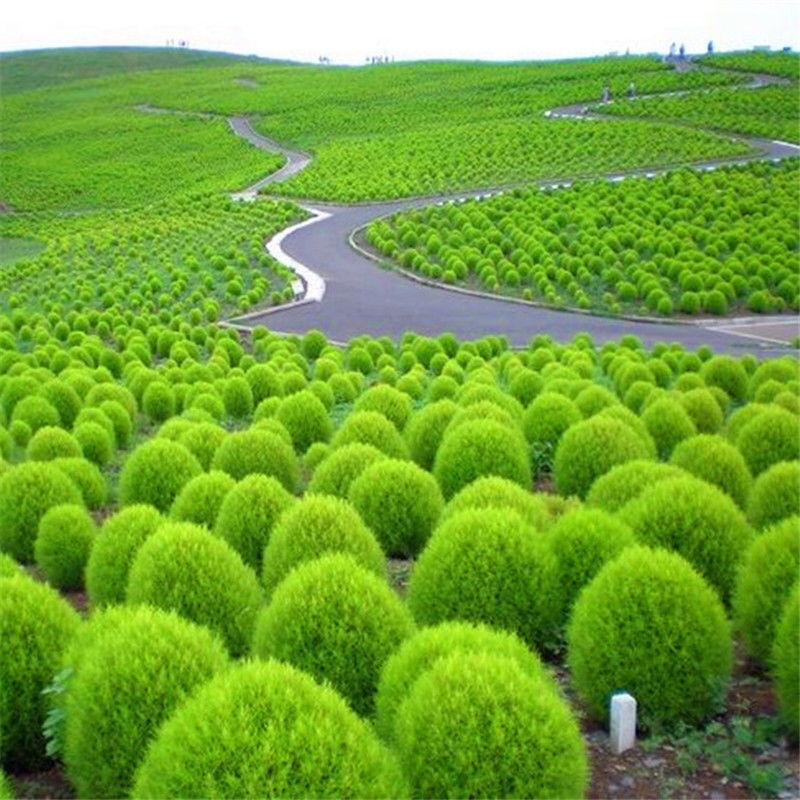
(349, 294)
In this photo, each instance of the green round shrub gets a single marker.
(488, 565)
(391, 402)
(341, 467)
(316, 525)
(63, 543)
(546, 418)
(155, 472)
(400, 502)
(129, 678)
(315, 455)
(417, 654)
(36, 626)
(785, 663)
(87, 477)
(36, 412)
(158, 401)
(478, 448)
(624, 482)
(267, 730)
(477, 725)
(184, 568)
(775, 494)
(257, 452)
(717, 461)
(772, 436)
(668, 423)
(202, 440)
(337, 621)
(26, 492)
(696, 520)
(703, 409)
(200, 499)
(113, 551)
(371, 427)
(306, 418)
(237, 395)
(591, 448)
(96, 443)
(20, 432)
(49, 443)
(425, 430)
(248, 514)
(768, 570)
(649, 625)
(9, 567)
(123, 427)
(727, 373)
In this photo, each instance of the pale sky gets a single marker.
(349, 31)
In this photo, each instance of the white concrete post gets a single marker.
(623, 722)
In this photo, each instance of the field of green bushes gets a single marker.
(240, 564)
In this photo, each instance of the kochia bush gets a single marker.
(785, 663)
(771, 436)
(425, 429)
(371, 427)
(624, 482)
(341, 467)
(63, 543)
(87, 477)
(775, 494)
(306, 418)
(256, 451)
(200, 498)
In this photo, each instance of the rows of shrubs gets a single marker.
(686, 242)
(240, 533)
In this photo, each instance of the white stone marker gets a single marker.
(623, 722)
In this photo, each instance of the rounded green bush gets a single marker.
(248, 514)
(583, 540)
(591, 448)
(237, 395)
(717, 461)
(202, 440)
(87, 477)
(696, 520)
(201, 497)
(184, 568)
(768, 570)
(9, 567)
(26, 492)
(425, 430)
(337, 621)
(36, 626)
(488, 565)
(316, 525)
(478, 448)
(727, 373)
(392, 403)
(477, 725)
(424, 648)
(158, 401)
(649, 625)
(118, 414)
(771, 436)
(96, 443)
(371, 427)
(63, 543)
(546, 419)
(785, 663)
(400, 502)
(306, 418)
(156, 472)
(703, 409)
(36, 412)
(775, 494)
(113, 551)
(49, 443)
(668, 423)
(128, 679)
(256, 451)
(624, 482)
(267, 730)
(341, 467)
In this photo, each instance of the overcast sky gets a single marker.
(349, 31)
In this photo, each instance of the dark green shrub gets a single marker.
(155, 472)
(337, 621)
(6, 792)
(311, 745)
(36, 626)
(716, 461)
(128, 679)
(113, 551)
(668, 423)
(775, 494)
(49, 443)
(63, 543)
(583, 540)
(306, 418)
(316, 525)
(591, 448)
(479, 448)
(158, 401)
(785, 663)
(95, 441)
(255, 451)
(477, 725)
(184, 568)
(768, 570)
(201, 497)
(392, 403)
(771, 436)
(248, 514)
(341, 467)
(422, 650)
(495, 492)
(202, 440)
(400, 502)
(727, 373)
(623, 632)
(703, 409)
(696, 520)
(425, 429)
(26, 492)
(371, 427)
(488, 565)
